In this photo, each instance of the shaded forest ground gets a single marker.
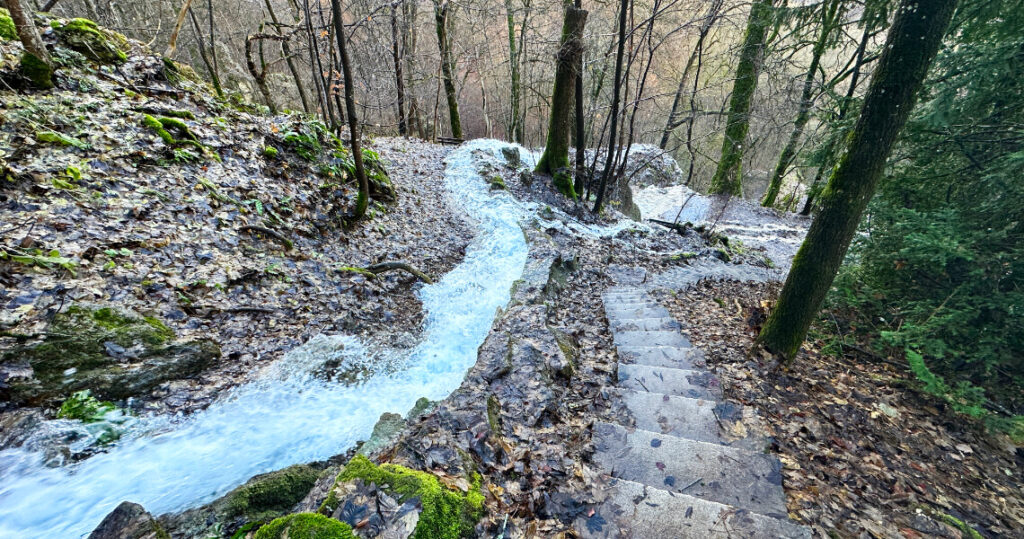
(863, 452)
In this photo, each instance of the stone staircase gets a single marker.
(680, 462)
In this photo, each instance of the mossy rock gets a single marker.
(305, 526)
(270, 495)
(85, 37)
(384, 431)
(112, 352)
(7, 28)
(38, 72)
(447, 513)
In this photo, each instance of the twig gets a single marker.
(376, 269)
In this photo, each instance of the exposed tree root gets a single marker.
(376, 269)
(269, 233)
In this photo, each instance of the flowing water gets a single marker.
(286, 416)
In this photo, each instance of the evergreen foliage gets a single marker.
(939, 267)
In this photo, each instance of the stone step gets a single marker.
(650, 338)
(617, 296)
(630, 305)
(671, 381)
(677, 357)
(645, 324)
(719, 473)
(633, 510)
(697, 419)
(636, 312)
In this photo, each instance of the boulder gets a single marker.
(129, 521)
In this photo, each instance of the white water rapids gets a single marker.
(286, 416)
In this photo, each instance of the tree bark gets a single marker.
(210, 66)
(396, 56)
(911, 46)
(36, 64)
(441, 12)
(363, 198)
(614, 115)
(555, 159)
(581, 141)
(728, 176)
(831, 14)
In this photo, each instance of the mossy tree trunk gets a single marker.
(579, 138)
(911, 46)
(728, 178)
(555, 159)
(614, 116)
(36, 64)
(441, 11)
(830, 18)
(363, 198)
(515, 125)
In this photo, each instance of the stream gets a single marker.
(286, 415)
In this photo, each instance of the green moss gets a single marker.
(118, 322)
(38, 72)
(7, 29)
(269, 152)
(305, 526)
(494, 414)
(85, 37)
(447, 514)
(497, 182)
(54, 137)
(269, 495)
(563, 183)
(166, 128)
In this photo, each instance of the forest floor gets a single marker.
(864, 454)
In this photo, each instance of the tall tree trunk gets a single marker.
(555, 160)
(830, 15)
(36, 64)
(173, 43)
(515, 127)
(322, 86)
(441, 12)
(211, 68)
(287, 51)
(363, 198)
(581, 141)
(911, 46)
(728, 176)
(414, 116)
(844, 108)
(259, 74)
(705, 27)
(614, 115)
(396, 56)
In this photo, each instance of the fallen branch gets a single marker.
(376, 269)
(269, 233)
(680, 228)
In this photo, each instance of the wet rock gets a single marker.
(113, 352)
(129, 521)
(384, 432)
(511, 155)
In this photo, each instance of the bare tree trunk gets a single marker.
(609, 161)
(913, 41)
(844, 107)
(211, 68)
(728, 176)
(441, 12)
(415, 115)
(36, 64)
(173, 43)
(581, 142)
(317, 68)
(399, 79)
(705, 27)
(830, 18)
(259, 74)
(286, 50)
(363, 198)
